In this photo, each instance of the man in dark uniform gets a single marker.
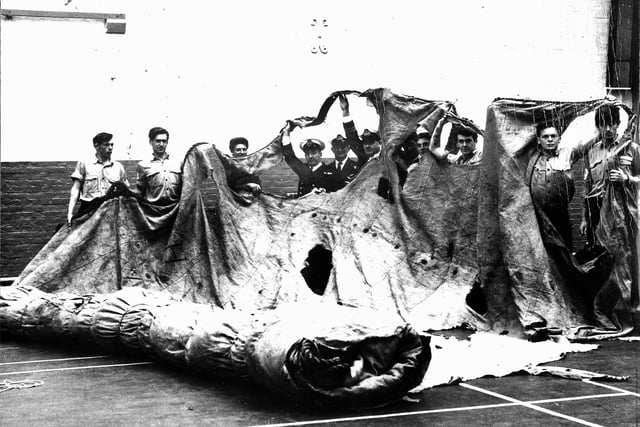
(344, 167)
(367, 146)
(312, 175)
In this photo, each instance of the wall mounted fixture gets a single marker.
(114, 22)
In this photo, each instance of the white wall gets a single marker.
(208, 71)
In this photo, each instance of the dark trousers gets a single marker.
(593, 205)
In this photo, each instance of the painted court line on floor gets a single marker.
(569, 399)
(381, 416)
(511, 401)
(443, 410)
(610, 387)
(53, 360)
(114, 365)
(529, 405)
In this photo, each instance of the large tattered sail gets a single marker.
(423, 252)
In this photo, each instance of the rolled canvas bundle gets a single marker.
(352, 359)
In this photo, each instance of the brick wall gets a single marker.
(35, 196)
(34, 200)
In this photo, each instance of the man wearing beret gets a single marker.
(345, 168)
(159, 180)
(238, 179)
(238, 146)
(366, 146)
(312, 175)
(92, 178)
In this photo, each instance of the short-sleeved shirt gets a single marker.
(97, 176)
(551, 178)
(551, 182)
(457, 159)
(601, 159)
(160, 180)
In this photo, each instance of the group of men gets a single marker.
(315, 175)
(610, 212)
(158, 180)
(612, 163)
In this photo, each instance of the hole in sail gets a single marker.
(317, 269)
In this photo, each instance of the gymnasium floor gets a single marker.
(83, 387)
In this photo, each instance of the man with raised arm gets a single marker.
(312, 175)
(550, 178)
(466, 141)
(366, 146)
(613, 170)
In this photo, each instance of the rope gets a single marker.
(6, 385)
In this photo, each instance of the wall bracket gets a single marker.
(115, 23)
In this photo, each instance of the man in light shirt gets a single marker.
(92, 178)
(550, 179)
(159, 179)
(466, 141)
(615, 163)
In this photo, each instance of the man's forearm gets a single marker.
(435, 145)
(350, 129)
(292, 160)
(353, 139)
(74, 195)
(72, 206)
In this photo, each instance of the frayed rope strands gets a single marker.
(9, 385)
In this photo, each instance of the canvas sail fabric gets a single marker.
(416, 255)
(314, 352)
(122, 243)
(402, 257)
(294, 351)
(522, 256)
